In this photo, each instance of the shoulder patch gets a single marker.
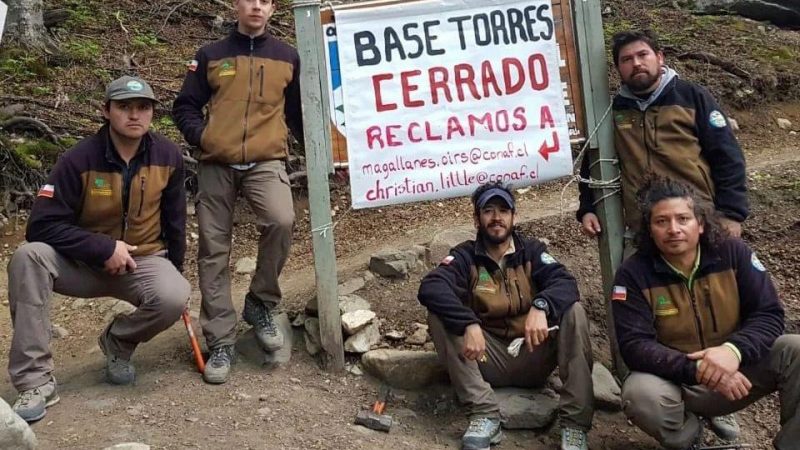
(619, 293)
(192, 65)
(547, 258)
(757, 263)
(447, 260)
(717, 120)
(47, 190)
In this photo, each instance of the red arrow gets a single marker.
(545, 149)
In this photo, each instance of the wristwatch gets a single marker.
(541, 305)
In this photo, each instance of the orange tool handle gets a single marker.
(198, 355)
(378, 407)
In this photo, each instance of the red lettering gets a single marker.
(391, 136)
(376, 87)
(511, 86)
(485, 120)
(374, 134)
(429, 134)
(545, 150)
(522, 120)
(488, 78)
(501, 120)
(465, 75)
(408, 88)
(546, 118)
(540, 80)
(439, 84)
(411, 136)
(454, 126)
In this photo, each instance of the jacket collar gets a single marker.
(235, 34)
(667, 76)
(709, 256)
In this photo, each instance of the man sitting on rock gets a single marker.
(109, 222)
(699, 324)
(490, 291)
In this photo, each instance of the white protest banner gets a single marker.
(441, 96)
(3, 12)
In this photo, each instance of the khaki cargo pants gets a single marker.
(568, 348)
(266, 188)
(36, 270)
(669, 412)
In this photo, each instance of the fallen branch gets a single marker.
(171, 12)
(296, 175)
(719, 62)
(29, 122)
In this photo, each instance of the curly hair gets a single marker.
(656, 189)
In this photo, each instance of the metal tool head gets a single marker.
(373, 421)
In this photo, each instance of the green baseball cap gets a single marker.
(127, 87)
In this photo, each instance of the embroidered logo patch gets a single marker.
(485, 282)
(619, 293)
(665, 307)
(717, 120)
(135, 86)
(757, 263)
(48, 191)
(192, 65)
(101, 188)
(623, 122)
(227, 69)
(547, 258)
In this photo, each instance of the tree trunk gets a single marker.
(25, 24)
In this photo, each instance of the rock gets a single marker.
(393, 263)
(404, 369)
(429, 347)
(606, 390)
(80, 303)
(354, 369)
(12, 110)
(351, 285)
(251, 351)
(264, 411)
(312, 336)
(443, 241)
(58, 332)
(362, 341)
(394, 335)
(355, 321)
(129, 446)
(352, 302)
(785, 13)
(299, 320)
(784, 124)
(526, 408)
(419, 337)
(368, 276)
(733, 123)
(15, 434)
(190, 209)
(245, 266)
(194, 236)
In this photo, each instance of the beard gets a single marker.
(483, 233)
(638, 83)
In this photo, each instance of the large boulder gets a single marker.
(362, 341)
(607, 394)
(15, 434)
(393, 263)
(527, 408)
(443, 241)
(248, 347)
(405, 369)
(785, 13)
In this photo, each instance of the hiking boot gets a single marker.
(725, 427)
(574, 439)
(699, 439)
(219, 364)
(31, 405)
(257, 314)
(481, 433)
(118, 370)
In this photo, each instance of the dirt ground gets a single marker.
(300, 406)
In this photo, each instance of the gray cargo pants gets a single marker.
(568, 348)
(668, 411)
(36, 270)
(266, 188)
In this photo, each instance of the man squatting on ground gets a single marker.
(248, 78)
(699, 323)
(499, 287)
(671, 127)
(109, 222)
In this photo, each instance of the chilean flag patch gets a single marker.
(619, 293)
(48, 190)
(447, 260)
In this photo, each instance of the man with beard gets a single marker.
(670, 127)
(500, 287)
(666, 126)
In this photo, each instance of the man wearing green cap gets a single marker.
(501, 288)
(109, 222)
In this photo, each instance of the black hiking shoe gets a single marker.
(219, 364)
(260, 317)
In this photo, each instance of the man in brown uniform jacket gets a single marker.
(109, 222)
(249, 82)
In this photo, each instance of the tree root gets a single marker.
(30, 123)
(717, 61)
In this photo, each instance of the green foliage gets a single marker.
(41, 91)
(81, 13)
(33, 152)
(18, 65)
(82, 51)
(146, 40)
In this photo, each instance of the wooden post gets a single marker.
(318, 154)
(594, 76)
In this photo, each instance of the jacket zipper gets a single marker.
(648, 151)
(710, 303)
(519, 293)
(247, 105)
(141, 197)
(696, 317)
